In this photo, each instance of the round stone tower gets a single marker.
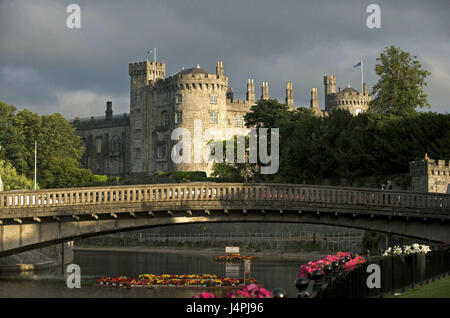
(192, 99)
(349, 99)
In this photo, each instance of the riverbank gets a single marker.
(436, 289)
(287, 254)
(26, 262)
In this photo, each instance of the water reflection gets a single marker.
(94, 264)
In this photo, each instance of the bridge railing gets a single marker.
(222, 192)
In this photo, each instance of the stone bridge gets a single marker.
(34, 219)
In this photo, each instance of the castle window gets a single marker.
(239, 121)
(213, 117)
(228, 121)
(200, 85)
(164, 118)
(213, 99)
(187, 86)
(98, 144)
(178, 98)
(138, 153)
(178, 117)
(193, 85)
(162, 151)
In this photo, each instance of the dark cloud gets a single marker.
(49, 68)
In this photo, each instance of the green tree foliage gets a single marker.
(59, 150)
(399, 90)
(13, 180)
(341, 146)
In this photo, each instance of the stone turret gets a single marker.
(314, 102)
(330, 89)
(265, 90)
(251, 91)
(289, 94)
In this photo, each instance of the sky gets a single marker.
(47, 67)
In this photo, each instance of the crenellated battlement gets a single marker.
(237, 102)
(147, 68)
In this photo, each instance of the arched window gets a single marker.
(98, 144)
(115, 144)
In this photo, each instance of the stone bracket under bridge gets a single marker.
(35, 219)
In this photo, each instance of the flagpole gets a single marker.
(362, 77)
(35, 151)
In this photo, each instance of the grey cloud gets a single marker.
(272, 41)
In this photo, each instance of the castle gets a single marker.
(139, 143)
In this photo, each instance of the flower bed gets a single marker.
(247, 291)
(185, 280)
(307, 269)
(407, 249)
(235, 258)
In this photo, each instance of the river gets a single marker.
(271, 273)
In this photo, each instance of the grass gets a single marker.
(436, 289)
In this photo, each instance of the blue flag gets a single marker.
(359, 64)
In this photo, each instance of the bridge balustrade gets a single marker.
(145, 193)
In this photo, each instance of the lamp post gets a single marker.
(279, 293)
(302, 284)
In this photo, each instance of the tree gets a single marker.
(13, 180)
(399, 90)
(6, 115)
(59, 148)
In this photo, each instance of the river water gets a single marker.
(271, 273)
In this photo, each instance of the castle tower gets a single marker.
(142, 75)
(109, 111)
(330, 89)
(265, 90)
(364, 88)
(429, 175)
(219, 68)
(289, 94)
(251, 91)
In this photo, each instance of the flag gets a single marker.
(359, 64)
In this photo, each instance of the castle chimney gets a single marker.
(109, 112)
(230, 93)
(265, 91)
(219, 68)
(289, 94)
(314, 101)
(250, 91)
